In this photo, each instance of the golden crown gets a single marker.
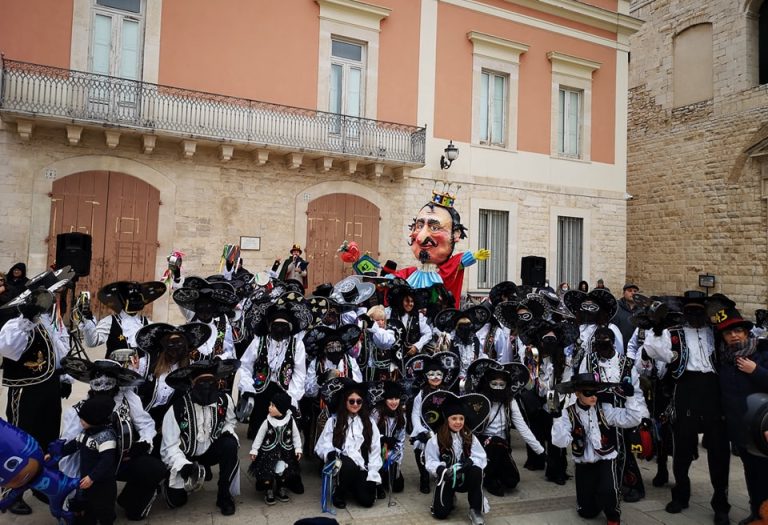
(445, 198)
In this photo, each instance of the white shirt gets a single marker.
(170, 450)
(17, 334)
(432, 453)
(587, 331)
(644, 367)
(498, 424)
(416, 422)
(161, 391)
(500, 339)
(97, 334)
(310, 385)
(424, 329)
(629, 416)
(276, 351)
(353, 444)
(700, 343)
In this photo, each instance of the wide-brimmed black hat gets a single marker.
(756, 421)
(337, 388)
(39, 289)
(506, 314)
(438, 405)
(149, 337)
(602, 298)
(515, 374)
(318, 307)
(584, 382)
(694, 297)
(503, 291)
(399, 289)
(379, 391)
(448, 362)
(352, 291)
(447, 319)
(182, 378)
(216, 282)
(290, 306)
(113, 295)
(566, 331)
(557, 309)
(293, 285)
(84, 370)
(323, 290)
(316, 338)
(220, 296)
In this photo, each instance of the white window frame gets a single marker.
(572, 73)
(574, 278)
(490, 108)
(563, 113)
(356, 22)
(347, 65)
(82, 29)
(485, 264)
(475, 205)
(117, 16)
(586, 261)
(500, 56)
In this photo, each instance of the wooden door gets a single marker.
(120, 212)
(331, 219)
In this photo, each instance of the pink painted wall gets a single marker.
(38, 31)
(258, 50)
(453, 91)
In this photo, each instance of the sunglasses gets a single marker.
(589, 393)
(357, 401)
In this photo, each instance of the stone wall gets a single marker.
(698, 202)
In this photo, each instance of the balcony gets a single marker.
(32, 93)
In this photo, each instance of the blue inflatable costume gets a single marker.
(22, 467)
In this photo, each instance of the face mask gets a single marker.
(603, 348)
(205, 393)
(434, 375)
(334, 351)
(280, 331)
(549, 345)
(695, 317)
(464, 333)
(134, 303)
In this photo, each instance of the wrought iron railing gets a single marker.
(81, 97)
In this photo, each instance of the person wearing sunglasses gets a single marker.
(351, 444)
(589, 428)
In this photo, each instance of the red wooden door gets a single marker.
(331, 219)
(120, 212)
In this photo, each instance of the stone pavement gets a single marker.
(534, 502)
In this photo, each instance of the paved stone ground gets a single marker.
(534, 502)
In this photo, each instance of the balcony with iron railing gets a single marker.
(33, 92)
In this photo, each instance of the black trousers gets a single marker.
(597, 489)
(395, 474)
(756, 476)
(142, 476)
(540, 423)
(99, 504)
(222, 452)
(353, 482)
(501, 468)
(36, 409)
(697, 407)
(472, 484)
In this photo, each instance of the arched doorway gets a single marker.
(120, 212)
(331, 219)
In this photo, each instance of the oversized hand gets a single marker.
(482, 254)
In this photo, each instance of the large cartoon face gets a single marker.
(20, 456)
(432, 237)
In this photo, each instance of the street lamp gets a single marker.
(451, 154)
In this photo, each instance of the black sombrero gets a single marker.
(333, 390)
(113, 294)
(290, 306)
(503, 291)
(316, 338)
(517, 375)
(352, 291)
(418, 365)
(148, 338)
(604, 299)
(446, 320)
(379, 391)
(84, 370)
(39, 290)
(756, 423)
(435, 406)
(182, 378)
(585, 381)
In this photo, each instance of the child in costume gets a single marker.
(389, 416)
(454, 456)
(589, 428)
(276, 450)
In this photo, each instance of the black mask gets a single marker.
(280, 331)
(603, 348)
(205, 393)
(464, 333)
(134, 303)
(549, 345)
(588, 317)
(695, 317)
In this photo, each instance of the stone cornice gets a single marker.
(353, 12)
(581, 12)
(496, 47)
(571, 65)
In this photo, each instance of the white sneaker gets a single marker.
(475, 518)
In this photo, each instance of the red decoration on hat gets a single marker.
(350, 251)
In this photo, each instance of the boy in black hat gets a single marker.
(276, 450)
(589, 428)
(97, 444)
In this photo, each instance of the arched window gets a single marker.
(692, 66)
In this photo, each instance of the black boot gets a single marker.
(423, 474)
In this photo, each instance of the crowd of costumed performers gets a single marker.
(352, 380)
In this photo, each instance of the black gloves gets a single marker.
(627, 388)
(86, 313)
(29, 311)
(189, 470)
(422, 436)
(332, 455)
(465, 463)
(140, 448)
(439, 471)
(65, 389)
(365, 319)
(391, 442)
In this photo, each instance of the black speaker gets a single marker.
(533, 270)
(74, 249)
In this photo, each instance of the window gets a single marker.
(117, 40)
(762, 21)
(346, 88)
(692, 65)
(570, 248)
(493, 107)
(569, 122)
(493, 233)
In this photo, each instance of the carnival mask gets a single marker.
(280, 331)
(102, 383)
(204, 391)
(603, 348)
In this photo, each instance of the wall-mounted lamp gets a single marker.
(451, 154)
